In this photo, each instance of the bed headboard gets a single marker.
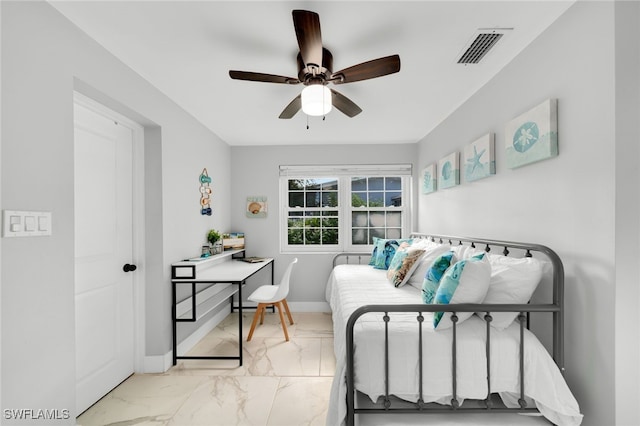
(507, 248)
(526, 250)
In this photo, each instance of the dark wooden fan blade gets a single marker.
(344, 104)
(307, 25)
(265, 78)
(366, 70)
(292, 109)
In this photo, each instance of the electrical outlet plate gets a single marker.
(25, 223)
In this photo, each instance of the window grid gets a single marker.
(373, 200)
(342, 213)
(312, 215)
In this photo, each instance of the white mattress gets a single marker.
(352, 286)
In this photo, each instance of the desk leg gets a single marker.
(273, 307)
(174, 323)
(239, 321)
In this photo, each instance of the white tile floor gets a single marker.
(277, 376)
(281, 383)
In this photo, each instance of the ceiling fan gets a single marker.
(315, 72)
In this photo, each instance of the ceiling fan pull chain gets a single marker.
(307, 122)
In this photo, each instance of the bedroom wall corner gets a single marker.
(259, 176)
(44, 59)
(627, 216)
(566, 202)
(1, 207)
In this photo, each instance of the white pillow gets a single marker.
(465, 252)
(467, 281)
(513, 281)
(431, 252)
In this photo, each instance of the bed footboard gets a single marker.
(555, 308)
(420, 406)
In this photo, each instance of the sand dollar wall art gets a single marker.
(532, 136)
(479, 159)
(449, 171)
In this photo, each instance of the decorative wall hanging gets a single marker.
(205, 193)
(256, 207)
(479, 159)
(449, 171)
(533, 136)
(429, 179)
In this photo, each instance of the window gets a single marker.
(376, 208)
(312, 213)
(342, 208)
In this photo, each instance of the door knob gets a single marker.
(129, 268)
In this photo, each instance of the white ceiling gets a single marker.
(186, 49)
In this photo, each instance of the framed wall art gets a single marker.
(256, 207)
(479, 159)
(429, 179)
(449, 171)
(532, 136)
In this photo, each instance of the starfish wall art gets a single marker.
(479, 159)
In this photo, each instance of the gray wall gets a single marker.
(255, 172)
(44, 58)
(575, 203)
(627, 140)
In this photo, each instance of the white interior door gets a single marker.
(103, 244)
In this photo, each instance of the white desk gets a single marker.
(227, 274)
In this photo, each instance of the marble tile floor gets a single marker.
(281, 383)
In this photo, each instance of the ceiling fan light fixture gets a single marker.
(316, 100)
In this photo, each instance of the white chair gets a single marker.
(268, 295)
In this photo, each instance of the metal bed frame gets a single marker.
(394, 405)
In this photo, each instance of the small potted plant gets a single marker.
(214, 239)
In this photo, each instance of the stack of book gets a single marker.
(253, 259)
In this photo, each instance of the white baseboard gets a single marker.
(298, 306)
(190, 341)
(162, 363)
(157, 363)
(309, 306)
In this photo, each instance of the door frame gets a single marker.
(138, 222)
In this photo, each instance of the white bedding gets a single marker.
(352, 286)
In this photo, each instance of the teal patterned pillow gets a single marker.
(467, 281)
(434, 275)
(376, 251)
(384, 250)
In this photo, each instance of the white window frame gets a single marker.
(343, 174)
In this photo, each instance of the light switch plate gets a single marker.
(25, 223)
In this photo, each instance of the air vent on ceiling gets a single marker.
(482, 41)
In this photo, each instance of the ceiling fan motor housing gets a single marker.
(314, 75)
